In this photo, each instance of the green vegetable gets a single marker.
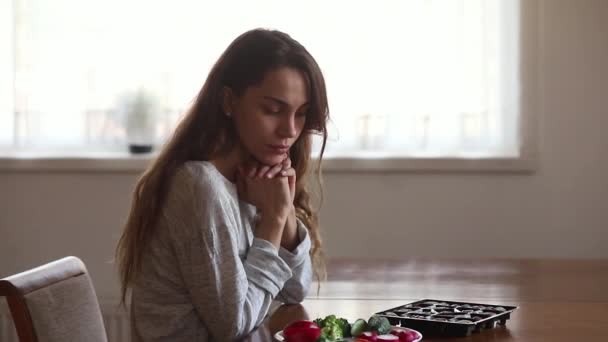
(332, 332)
(358, 327)
(333, 328)
(345, 327)
(319, 322)
(331, 319)
(379, 324)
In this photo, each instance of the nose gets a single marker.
(288, 127)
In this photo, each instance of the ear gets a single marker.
(228, 100)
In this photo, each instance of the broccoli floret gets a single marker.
(345, 327)
(332, 332)
(319, 322)
(379, 324)
(333, 328)
(331, 319)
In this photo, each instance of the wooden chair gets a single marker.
(54, 302)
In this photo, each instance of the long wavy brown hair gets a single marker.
(205, 132)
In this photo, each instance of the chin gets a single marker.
(270, 159)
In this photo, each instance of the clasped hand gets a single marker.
(271, 188)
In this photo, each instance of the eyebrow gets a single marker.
(282, 102)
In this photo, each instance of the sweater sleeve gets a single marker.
(230, 296)
(298, 260)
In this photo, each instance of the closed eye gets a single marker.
(270, 110)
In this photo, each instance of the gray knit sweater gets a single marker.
(205, 277)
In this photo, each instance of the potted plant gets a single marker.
(140, 110)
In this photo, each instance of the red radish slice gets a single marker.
(408, 336)
(369, 336)
(387, 338)
(396, 332)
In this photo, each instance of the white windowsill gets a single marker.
(126, 163)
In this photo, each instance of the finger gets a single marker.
(292, 187)
(292, 180)
(262, 171)
(286, 162)
(291, 172)
(274, 170)
(251, 171)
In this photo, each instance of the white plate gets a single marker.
(279, 335)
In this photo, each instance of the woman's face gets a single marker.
(270, 116)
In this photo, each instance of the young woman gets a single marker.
(221, 223)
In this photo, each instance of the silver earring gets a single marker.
(228, 114)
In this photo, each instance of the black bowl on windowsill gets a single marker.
(140, 149)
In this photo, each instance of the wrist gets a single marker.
(291, 217)
(281, 215)
(290, 239)
(270, 228)
(274, 217)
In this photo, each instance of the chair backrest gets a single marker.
(54, 302)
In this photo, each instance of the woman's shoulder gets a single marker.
(201, 177)
(196, 170)
(195, 195)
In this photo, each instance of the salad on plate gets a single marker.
(332, 328)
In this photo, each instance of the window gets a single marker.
(417, 78)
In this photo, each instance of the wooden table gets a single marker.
(558, 300)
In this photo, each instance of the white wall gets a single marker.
(561, 211)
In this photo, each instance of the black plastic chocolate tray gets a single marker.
(434, 317)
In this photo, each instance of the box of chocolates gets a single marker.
(446, 318)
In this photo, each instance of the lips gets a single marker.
(279, 148)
